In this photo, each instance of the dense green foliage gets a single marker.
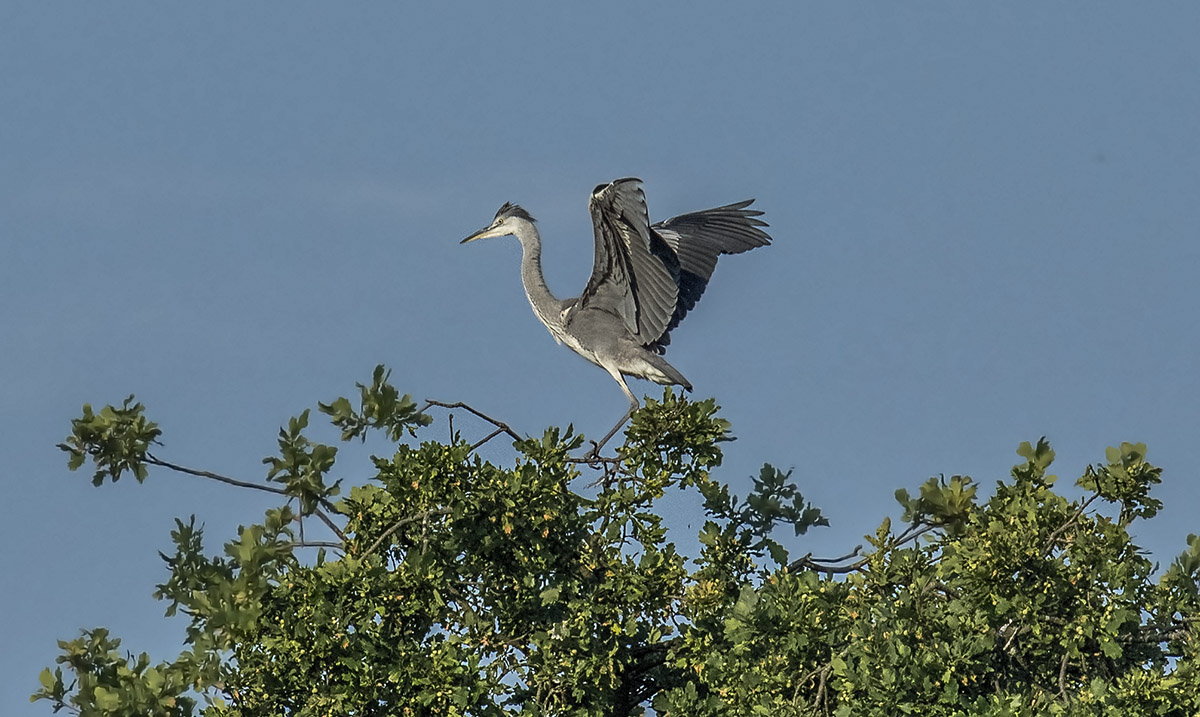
(451, 585)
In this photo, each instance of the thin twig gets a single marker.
(608, 470)
(1000, 633)
(852, 554)
(826, 666)
(598, 461)
(504, 427)
(819, 701)
(1153, 638)
(908, 535)
(940, 587)
(317, 544)
(1019, 630)
(914, 531)
(152, 460)
(1070, 521)
(329, 523)
(1062, 677)
(405, 521)
(834, 569)
(424, 533)
(821, 673)
(486, 438)
(156, 461)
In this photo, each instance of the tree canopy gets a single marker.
(450, 585)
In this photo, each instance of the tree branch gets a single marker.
(330, 524)
(909, 534)
(317, 544)
(822, 568)
(156, 461)
(1070, 521)
(822, 673)
(597, 460)
(501, 426)
(152, 460)
(826, 561)
(486, 438)
(819, 700)
(402, 522)
(1146, 637)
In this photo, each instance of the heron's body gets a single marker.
(645, 279)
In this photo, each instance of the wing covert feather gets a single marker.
(698, 239)
(635, 271)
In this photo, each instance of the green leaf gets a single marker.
(778, 553)
(106, 700)
(528, 581)
(46, 677)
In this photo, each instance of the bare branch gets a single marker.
(834, 569)
(1151, 636)
(486, 438)
(909, 534)
(819, 700)
(405, 521)
(1070, 521)
(501, 425)
(914, 531)
(822, 674)
(156, 461)
(330, 524)
(317, 544)
(1017, 630)
(152, 460)
(852, 554)
(596, 460)
(609, 468)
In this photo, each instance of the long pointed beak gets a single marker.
(481, 234)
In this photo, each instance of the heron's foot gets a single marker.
(608, 467)
(592, 457)
(595, 460)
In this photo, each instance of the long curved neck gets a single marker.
(544, 304)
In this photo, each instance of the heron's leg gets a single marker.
(633, 406)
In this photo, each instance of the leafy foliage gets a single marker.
(301, 465)
(550, 586)
(380, 406)
(116, 439)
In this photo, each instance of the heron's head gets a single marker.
(508, 218)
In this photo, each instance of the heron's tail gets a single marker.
(661, 372)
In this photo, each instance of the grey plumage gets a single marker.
(645, 279)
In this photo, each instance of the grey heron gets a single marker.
(645, 279)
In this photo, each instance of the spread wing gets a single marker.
(697, 239)
(635, 274)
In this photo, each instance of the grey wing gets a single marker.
(635, 272)
(698, 239)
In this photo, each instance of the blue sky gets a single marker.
(985, 224)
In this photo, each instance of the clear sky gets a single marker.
(986, 224)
